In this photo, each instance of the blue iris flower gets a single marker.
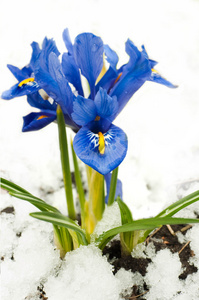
(26, 79)
(99, 143)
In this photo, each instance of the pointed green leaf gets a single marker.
(60, 220)
(126, 215)
(79, 185)
(113, 186)
(180, 204)
(143, 224)
(11, 187)
(40, 204)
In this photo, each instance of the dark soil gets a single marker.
(163, 238)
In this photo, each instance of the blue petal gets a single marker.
(134, 75)
(118, 192)
(106, 106)
(35, 100)
(71, 72)
(86, 146)
(35, 54)
(35, 121)
(16, 91)
(133, 53)
(88, 53)
(48, 47)
(107, 81)
(111, 56)
(84, 111)
(156, 77)
(19, 74)
(67, 41)
(64, 93)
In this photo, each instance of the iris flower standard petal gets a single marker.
(35, 121)
(88, 54)
(71, 72)
(84, 111)
(89, 148)
(106, 106)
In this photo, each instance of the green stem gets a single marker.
(63, 145)
(113, 186)
(79, 185)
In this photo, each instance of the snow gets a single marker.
(162, 161)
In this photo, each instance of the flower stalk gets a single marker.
(63, 145)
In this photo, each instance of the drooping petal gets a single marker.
(106, 106)
(84, 111)
(35, 121)
(35, 100)
(133, 76)
(156, 77)
(88, 54)
(71, 72)
(118, 192)
(18, 73)
(17, 91)
(88, 148)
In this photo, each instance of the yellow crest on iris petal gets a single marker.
(25, 81)
(101, 143)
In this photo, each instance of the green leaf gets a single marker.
(11, 187)
(18, 192)
(143, 224)
(40, 204)
(60, 220)
(174, 208)
(126, 238)
(126, 215)
(79, 185)
(113, 186)
(178, 205)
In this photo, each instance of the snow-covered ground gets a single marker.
(163, 156)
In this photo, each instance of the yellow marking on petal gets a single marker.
(97, 118)
(118, 77)
(42, 117)
(25, 81)
(103, 71)
(153, 70)
(101, 143)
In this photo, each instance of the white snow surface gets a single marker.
(161, 165)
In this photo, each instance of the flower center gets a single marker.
(25, 81)
(101, 143)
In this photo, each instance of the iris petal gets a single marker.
(71, 72)
(86, 145)
(67, 41)
(118, 192)
(156, 77)
(106, 105)
(16, 91)
(111, 56)
(35, 121)
(84, 111)
(35, 100)
(88, 53)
